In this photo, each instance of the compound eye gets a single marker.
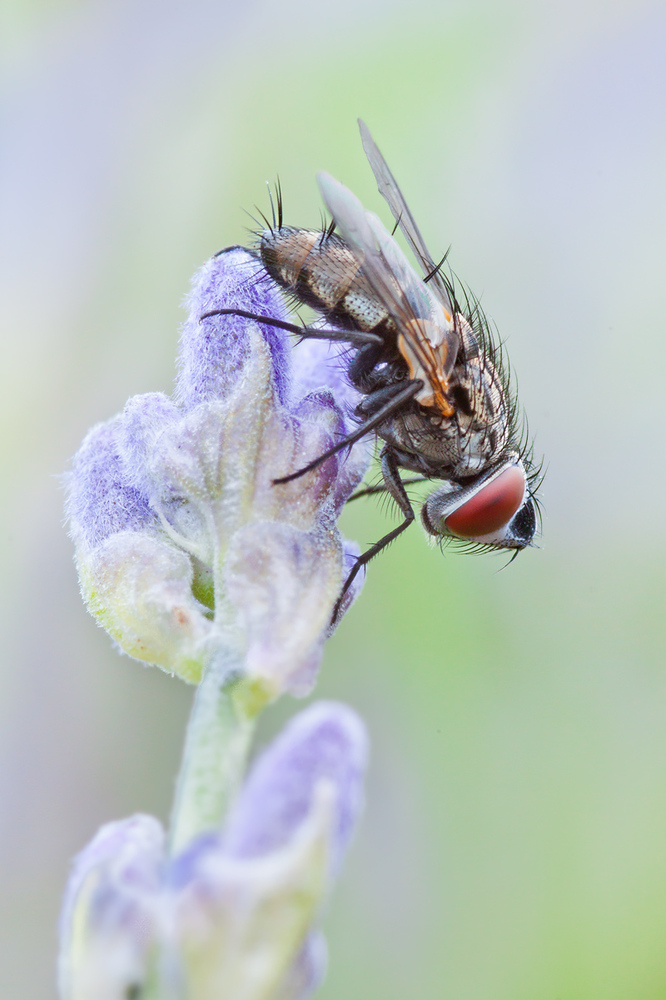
(491, 508)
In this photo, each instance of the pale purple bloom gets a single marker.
(194, 559)
(277, 794)
(234, 917)
(110, 923)
(183, 542)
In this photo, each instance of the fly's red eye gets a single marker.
(491, 508)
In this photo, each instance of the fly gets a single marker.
(435, 388)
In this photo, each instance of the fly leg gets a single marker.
(360, 338)
(400, 394)
(371, 344)
(370, 491)
(395, 486)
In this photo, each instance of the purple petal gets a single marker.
(212, 351)
(143, 422)
(101, 498)
(111, 896)
(324, 363)
(283, 583)
(127, 852)
(184, 867)
(319, 367)
(344, 471)
(319, 411)
(326, 741)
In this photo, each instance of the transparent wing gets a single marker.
(400, 290)
(388, 188)
(402, 293)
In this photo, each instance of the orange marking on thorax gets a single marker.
(426, 362)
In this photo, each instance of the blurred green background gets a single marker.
(514, 840)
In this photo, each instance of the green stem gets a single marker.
(216, 747)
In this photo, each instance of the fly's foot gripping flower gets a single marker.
(183, 541)
(234, 916)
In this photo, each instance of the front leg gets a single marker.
(358, 337)
(394, 485)
(400, 393)
(369, 491)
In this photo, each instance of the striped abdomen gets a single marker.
(319, 270)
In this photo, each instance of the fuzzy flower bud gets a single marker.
(183, 541)
(234, 916)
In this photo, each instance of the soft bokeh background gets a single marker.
(514, 842)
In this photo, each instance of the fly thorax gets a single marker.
(481, 415)
(469, 345)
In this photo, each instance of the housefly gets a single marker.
(435, 387)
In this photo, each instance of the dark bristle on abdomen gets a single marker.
(314, 266)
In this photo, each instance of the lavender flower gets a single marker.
(234, 916)
(183, 543)
(110, 922)
(193, 559)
